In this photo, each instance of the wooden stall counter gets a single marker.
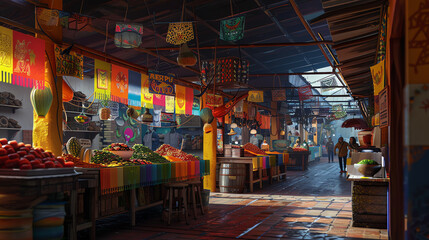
(369, 201)
(248, 161)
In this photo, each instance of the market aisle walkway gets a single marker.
(314, 204)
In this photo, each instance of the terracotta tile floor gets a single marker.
(314, 204)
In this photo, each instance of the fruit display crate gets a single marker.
(37, 172)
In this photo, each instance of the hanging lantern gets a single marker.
(232, 132)
(147, 117)
(67, 92)
(186, 56)
(206, 115)
(282, 133)
(234, 125)
(179, 33)
(41, 99)
(253, 131)
(128, 35)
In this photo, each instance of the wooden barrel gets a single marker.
(232, 177)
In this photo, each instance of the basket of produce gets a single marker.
(252, 150)
(120, 149)
(167, 150)
(368, 167)
(142, 152)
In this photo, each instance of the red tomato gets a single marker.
(39, 149)
(28, 145)
(30, 157)
(33, 162)
(10, 150)
(58, 165)
(14, 156)
(25, 166)
(69, 164)
(40, 165)
(24, 161)
(3, 152)
(3, 141)
(3, 159)
(12, 163)
(24, 149)
(21, 144)
(46, 155)
(14, 144)
(60, 160)
(49, 164)
(22, 153)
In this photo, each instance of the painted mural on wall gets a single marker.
(416, 195)
(126, 129)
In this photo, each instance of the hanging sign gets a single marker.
(214, 100)
(384, 108)
(377, 73)
(232, 29)
(119, 85)
(6, 54)
(279, 95)
(169, 104)
(160, 83)
(189, 100)
(179, 33)
(305, 93)
(256, 96)
(134, 86)
(337, 108)
(68, 64)
(328, 84)
(196, 107)
(102, 80)
(146, 96)
(28, 61)
(128, 35)
(159, 102)
(180, 99)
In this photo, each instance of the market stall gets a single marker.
(298, 159)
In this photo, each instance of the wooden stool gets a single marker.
(196, 184)
(181, 200)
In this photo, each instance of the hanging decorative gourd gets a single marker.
(186, 56)
(128, 35)
(41, 99)
(147, 117)
(131, 112)
(67, 92)
(104, 111)
(206, 115)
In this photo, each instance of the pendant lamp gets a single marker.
(232, 132)
(282, 133)
(186, 56)
(147, 117)
(253, 131)
(131, 112)
(41, 99)
(234, 125)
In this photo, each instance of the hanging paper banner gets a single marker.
(179, 33)
(196, 107)
(328, 84)
(337, 108)
(28, 61)
(68, 64)
(47, 17)
(232, 29)
(161, 83)
(79, 23)
(159, 102)
(305, 93)
(279, 95)
(134, 86)
(128, 35)
(146, 97)
(377, 73)
(266, 122)
(180, 99)
(256, 96)
(102, 80)
(6, 54)
(226, 108)
(214, 100)
(169, 104)
(119, 87)
(189, 100)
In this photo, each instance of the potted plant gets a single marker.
(367, 167)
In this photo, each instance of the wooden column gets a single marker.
(275, 124)
(209, 152)
(47, 132)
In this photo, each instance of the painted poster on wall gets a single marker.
(6, 52)
(126, 129)
(102, 76)
(161, 83)
(68, 64)
(146, 96)
(377, 73)
(119, 85)
(28, 61)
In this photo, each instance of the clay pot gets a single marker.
(104, 113)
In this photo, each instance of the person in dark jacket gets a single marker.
(342, 153)
(330, 149)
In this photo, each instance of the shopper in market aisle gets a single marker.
(353, 145)
(330, 149)
(342, 153)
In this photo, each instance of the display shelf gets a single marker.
(83, 131)
(13, 107)
(11, 129)
(11, 132)
(88, 114)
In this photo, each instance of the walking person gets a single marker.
(330, 149)
(353, 145)
(342, 153)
